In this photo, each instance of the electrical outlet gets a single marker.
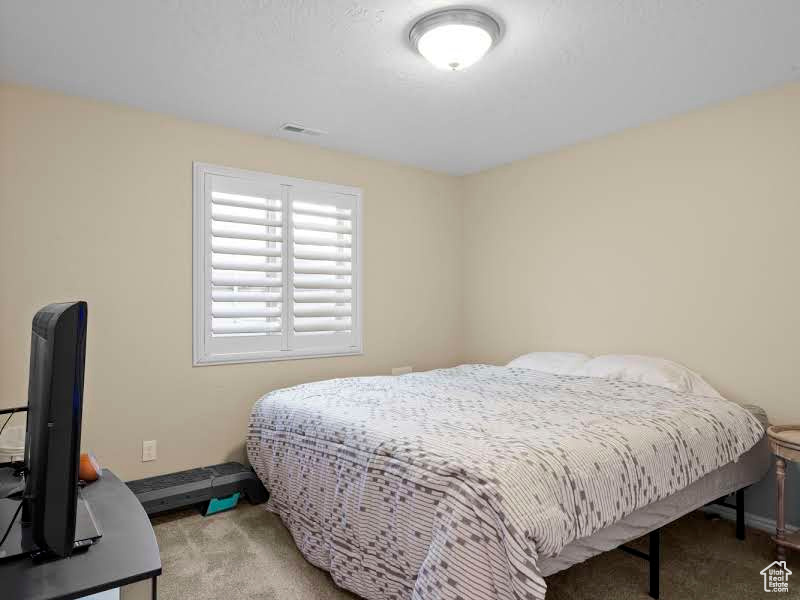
(149, 450)
(401, 370)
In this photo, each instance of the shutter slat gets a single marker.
(309, 239)
(307, 311)
(243, 202)
(217, 231)
(247, 220)
(251, 327)
(250, 311)
(311, 283)
(318, 212)
(321, 254)
(245, 279)
(232, 264)
(224, 248)
(229, 296)
(308, 226)
(332, 270)
(322, 297)
(320, 326)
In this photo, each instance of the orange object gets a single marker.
(89, 469)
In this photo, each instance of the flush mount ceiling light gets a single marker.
(454, 38)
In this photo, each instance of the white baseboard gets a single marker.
(751, 520)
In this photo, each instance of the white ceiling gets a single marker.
(565, 71)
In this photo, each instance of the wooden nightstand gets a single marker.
(784, 443)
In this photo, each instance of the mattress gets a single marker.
(463, 482)
(749, 469)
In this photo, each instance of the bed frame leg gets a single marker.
(740, 514)
(654, 556)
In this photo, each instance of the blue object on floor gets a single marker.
(216, 505)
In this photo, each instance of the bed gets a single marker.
(478, 481)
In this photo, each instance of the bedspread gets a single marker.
(452, 483)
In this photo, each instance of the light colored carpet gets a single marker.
(247, 554)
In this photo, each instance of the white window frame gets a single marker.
(202, 354)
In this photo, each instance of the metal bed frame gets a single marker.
(653, 555)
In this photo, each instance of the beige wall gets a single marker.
(677, 239)
(96, 204)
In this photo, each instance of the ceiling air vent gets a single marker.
(295, 128)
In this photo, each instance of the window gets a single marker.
(276, 267)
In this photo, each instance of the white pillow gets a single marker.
(562, 363)
(647, 369)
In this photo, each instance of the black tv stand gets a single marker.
(127, 552)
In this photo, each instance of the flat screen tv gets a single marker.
(53, 437)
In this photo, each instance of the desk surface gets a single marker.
(127, 552)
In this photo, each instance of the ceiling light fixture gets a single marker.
(454, 38)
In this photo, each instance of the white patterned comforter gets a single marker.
(452, 483)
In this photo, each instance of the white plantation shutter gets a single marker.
(245, 285)
(275, 267)
(323, 276)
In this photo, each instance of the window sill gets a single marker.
(271, 357)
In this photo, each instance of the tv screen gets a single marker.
(53, 438)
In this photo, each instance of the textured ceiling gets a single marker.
(565, 71)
